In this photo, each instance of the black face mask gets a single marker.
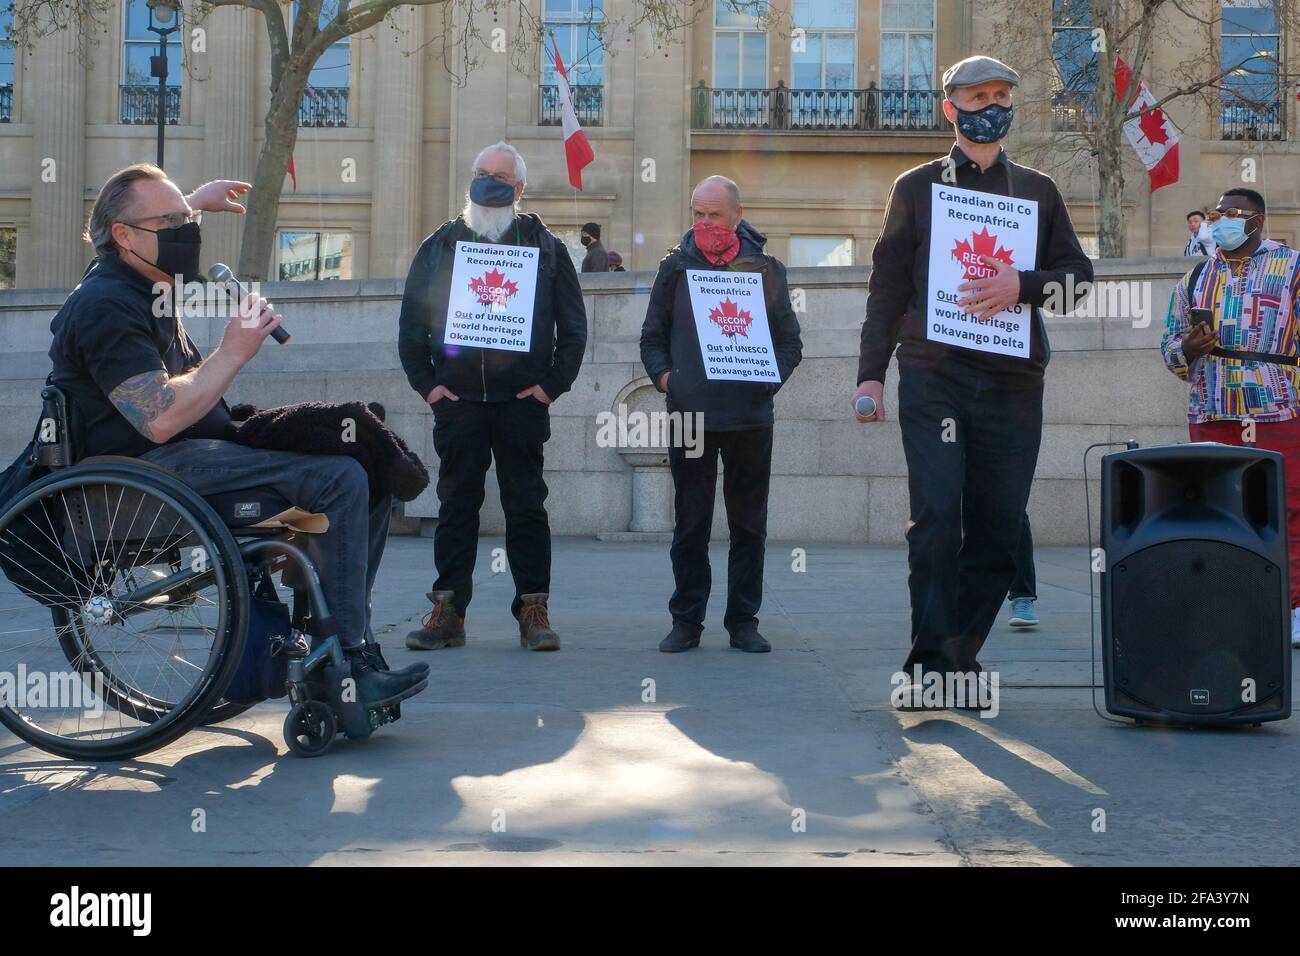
(178, 250)
(585, 240)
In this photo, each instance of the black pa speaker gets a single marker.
(1195, 608)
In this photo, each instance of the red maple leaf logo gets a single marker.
(1153, 127)
(981, 244)
(493, 288)
(731, 318)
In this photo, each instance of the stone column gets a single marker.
(660, 113)
(398, 143)
(229, 120)
(58, 207)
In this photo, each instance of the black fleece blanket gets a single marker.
(354, 429)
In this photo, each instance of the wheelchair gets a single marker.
(120, 571)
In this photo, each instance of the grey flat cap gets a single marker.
(977, 69)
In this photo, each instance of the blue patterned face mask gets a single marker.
(988, 125)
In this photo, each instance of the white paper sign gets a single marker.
(731, 321)
(492, 293)
(964, 225)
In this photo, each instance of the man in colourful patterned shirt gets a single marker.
(1241, 367)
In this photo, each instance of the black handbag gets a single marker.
(263, 672)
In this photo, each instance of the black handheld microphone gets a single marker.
(220, 272)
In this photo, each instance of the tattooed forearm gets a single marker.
(142, 398)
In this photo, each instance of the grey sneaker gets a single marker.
(1023, 613)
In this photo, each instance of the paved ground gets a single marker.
(511, 757)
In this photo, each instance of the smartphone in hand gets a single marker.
(1203, 317)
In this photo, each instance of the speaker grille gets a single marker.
(1190, 621)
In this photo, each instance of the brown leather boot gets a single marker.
(535, 632)
(442, 626)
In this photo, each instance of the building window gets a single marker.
(824, 68)
(303, 255)
(325, 101)
(907, 78)
(1250, 42)
(1074, 74)
(8, 257)
(576, 26)
(569, 235)
(6, 66)
(139, 90)
(1091, 246)
(820, 251)
(739, 66)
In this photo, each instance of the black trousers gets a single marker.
(971, 443)
(1025, 583)
(468, 436)
(747, 467)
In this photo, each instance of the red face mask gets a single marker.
(718, 243)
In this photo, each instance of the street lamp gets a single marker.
(162, 21)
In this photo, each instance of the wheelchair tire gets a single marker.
(97, 636)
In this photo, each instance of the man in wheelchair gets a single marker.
(142, 389)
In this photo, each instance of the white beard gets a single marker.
(489, 222)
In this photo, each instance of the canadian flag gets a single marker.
(577, 151)
(1153, 135)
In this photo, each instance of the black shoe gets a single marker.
(420, 667)
(748, 639)
(681, 638)
(377, 686)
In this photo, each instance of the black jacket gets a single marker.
(669, 342)
(898, 291)
(596, 259)
(559, 334)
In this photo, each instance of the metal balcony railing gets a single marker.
(6, 102)
(324, 106)
(140, 104)
(817, 110)
(588, 105)
(1074, 111)
(1250, 120)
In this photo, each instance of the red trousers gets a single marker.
(1281, 437)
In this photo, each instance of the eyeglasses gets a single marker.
(499, 177)
(1213, 215)
(172, 220)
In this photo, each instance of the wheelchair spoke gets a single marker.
(117, 684)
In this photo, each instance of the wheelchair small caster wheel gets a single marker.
(309, 729)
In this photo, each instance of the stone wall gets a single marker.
(833, 480)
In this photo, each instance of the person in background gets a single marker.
(596, 259)
(616, 262)
(1201, 242)
(1241, 367)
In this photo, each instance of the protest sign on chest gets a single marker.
(964, 225)
(731, 323)
(493, 289)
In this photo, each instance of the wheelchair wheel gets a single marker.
(124, 613)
